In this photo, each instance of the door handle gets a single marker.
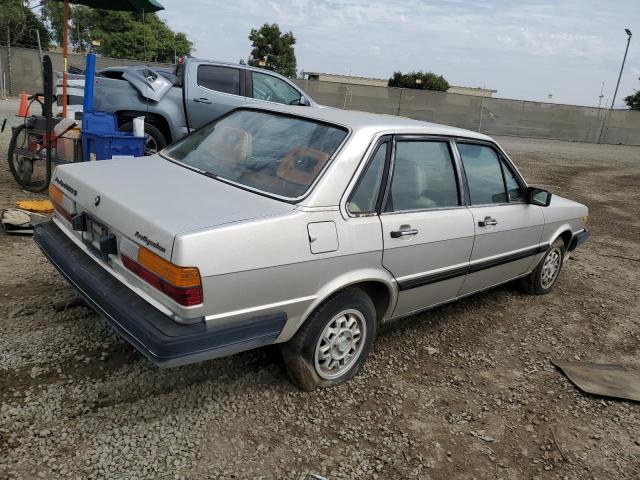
(487, 222)
(403, 233)
(202, 100)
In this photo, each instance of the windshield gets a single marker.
(274, 153)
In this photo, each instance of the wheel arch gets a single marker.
(565, 232)
(379, 285)
(155, 119)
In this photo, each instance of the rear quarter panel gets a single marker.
(113, 95)
(266, 266)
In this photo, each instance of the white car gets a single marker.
(303, 227)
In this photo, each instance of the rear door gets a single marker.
(212, 91)
(507, 229)
(427, 229)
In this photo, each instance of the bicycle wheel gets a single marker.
(27, 168)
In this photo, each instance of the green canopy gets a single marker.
(140, 6)
(146, 6)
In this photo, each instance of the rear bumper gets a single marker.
(578, 239)
(154, 334)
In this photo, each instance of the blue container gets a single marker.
(105, 146)
(99, 123)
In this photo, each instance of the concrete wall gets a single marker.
(494, 116)
(26, 72)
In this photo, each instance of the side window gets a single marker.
(365, 195)
(272, 89)
(220, 79)
(423, 177)
(514, 192)
(484, 174)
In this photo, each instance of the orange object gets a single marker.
(176, 276)
(38, 206)
(23, 109)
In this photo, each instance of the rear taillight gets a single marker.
(182, 284)
(57, 199)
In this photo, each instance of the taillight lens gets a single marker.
(182, 284)
(57, 199)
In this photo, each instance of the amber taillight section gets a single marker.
(182, 284)
(57, 199)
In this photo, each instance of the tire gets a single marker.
(22, 169)
(350, 311)
(542, 279)
(154, 141)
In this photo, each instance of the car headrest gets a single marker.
(233, 145)
(301, 165)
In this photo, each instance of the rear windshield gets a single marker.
(277, 154)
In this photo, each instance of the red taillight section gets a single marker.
(184, 296)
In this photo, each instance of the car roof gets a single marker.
(356, 120)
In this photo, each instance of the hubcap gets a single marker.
(340, 344)
(551, 267)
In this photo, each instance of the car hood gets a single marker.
(150, 200)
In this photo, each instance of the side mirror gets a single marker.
(538, 196)
(304, 101)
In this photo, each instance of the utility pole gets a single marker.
(601, 96)
(624, 59)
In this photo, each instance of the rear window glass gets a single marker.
(220, 79)
(277, 154)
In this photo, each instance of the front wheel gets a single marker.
(333, 344)
(544, 277)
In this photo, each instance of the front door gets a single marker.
(427, 231)
(212, 91)
(507, 229)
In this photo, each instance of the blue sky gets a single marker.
(525, 49)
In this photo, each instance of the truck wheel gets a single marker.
(154, 139)
(543, 278)
(333, 344)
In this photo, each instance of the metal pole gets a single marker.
(481, 109)
(39, 45)
(10, 89)
(65, 54)
(624, 59)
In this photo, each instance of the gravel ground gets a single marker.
(464, 391)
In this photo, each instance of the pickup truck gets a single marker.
(176, 101)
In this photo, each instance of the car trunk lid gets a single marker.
(150, 200)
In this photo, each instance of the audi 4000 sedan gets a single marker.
(308, 228)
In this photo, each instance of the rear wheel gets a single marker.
(154, 140)
(28, 168)
(544, 277)
(333, 344)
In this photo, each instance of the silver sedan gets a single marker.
(304, 227)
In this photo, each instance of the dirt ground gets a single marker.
(464, 391)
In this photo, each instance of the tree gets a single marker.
(419, 81)
(633, 100)
(17, 19)
(120, 34)
(273, 50)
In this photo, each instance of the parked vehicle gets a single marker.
(303, 227)
(175, 102)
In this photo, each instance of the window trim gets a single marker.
(454, 163)
(387, 139)
(502, 156)
(240, 82)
